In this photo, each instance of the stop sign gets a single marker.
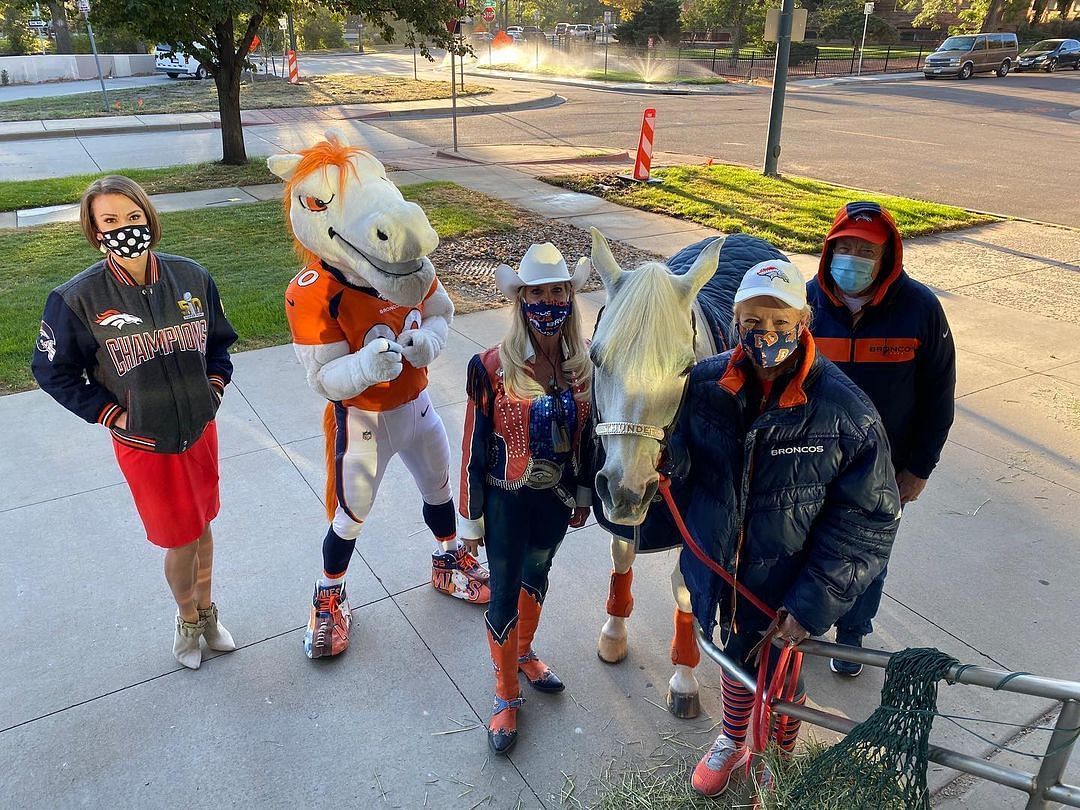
(488, 14)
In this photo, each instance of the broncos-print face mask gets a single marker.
(129, 242)
(547, 317)
(768, 348)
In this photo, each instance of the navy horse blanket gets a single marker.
(715, 301)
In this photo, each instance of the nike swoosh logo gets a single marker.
(290, 302)
(423, 413)
(946, 334)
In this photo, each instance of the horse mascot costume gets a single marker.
(658, 321)
(367, 316)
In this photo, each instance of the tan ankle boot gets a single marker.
(186, 646)
(217, 637)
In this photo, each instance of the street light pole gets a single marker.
(779, 88)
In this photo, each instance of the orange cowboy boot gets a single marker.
(536, 671)
(502, 727)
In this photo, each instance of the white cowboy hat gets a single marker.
(542, 264)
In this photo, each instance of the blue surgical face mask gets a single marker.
(547, 317)
(768, 348)
(852, 274)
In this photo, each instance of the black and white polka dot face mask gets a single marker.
(128, 242)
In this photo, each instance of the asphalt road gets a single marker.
(1002, 145)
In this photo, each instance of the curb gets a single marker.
(688, 90)
(621, 157)
(552, 100)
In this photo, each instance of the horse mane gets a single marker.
(637, 330)
(319, 157)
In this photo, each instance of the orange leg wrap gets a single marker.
(684, 647)
(620, 601)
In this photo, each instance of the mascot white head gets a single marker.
(344, 210)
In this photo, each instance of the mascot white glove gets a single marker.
(378, 362)
(419, 346)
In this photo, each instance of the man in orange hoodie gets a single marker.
(889, 335)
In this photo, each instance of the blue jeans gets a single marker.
(522, 532)
(858, 621)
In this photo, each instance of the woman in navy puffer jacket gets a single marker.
(782, 470)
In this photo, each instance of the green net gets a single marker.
(881, 764)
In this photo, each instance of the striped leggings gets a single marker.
(739, 701)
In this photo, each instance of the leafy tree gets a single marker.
(844, 19)
(13, 17)
(220, 33)
(659, 19)
(745, 19)
(320, 28)
(974, 15)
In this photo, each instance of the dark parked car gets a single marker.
(1051, 54)
(533, 32)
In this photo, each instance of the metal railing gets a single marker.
(690, 60)
(1043, 787)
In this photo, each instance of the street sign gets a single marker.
(84, 6)
(488, 14)
(36, 25)
(607, 18)
(868, 9)
(798, 25)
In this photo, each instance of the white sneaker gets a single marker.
(186, 642)
(217, 637)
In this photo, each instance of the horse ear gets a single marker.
(603, 260)
(283, 165)
(703, 269)
(336, 136)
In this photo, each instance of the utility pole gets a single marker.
(292, 31)
(779, 88)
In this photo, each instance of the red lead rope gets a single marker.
(788, 665)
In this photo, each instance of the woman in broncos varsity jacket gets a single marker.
(524, 468)
(139, 343)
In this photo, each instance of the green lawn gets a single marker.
(246, 248)
(599, 74)
(793, 213)
(18, 194)
(190, 95)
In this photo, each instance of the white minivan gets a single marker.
(174, 63)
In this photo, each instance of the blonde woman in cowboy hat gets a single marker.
(524, 469)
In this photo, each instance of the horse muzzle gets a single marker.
(623, 505)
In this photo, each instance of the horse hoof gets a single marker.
(685, 707)
(611, 650)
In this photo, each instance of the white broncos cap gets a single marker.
(542, 264)
(778, 279)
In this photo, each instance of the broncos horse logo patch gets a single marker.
(113, 317)
(771, 271)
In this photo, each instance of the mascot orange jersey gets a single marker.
(323, 308)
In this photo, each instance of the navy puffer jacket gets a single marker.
(799, 498)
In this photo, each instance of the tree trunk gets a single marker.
(60, 26)
(227, 79)
(993, 17)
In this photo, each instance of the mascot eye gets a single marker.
(315, 204)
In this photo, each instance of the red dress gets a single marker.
(176, 493)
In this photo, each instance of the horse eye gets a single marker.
(315, 204)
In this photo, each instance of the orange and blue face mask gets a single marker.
(768, 348)
(547, 317)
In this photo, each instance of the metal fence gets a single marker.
(697, 61)
(1044, 788)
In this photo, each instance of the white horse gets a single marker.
(644, 347)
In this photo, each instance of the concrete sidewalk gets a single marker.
(94, 710)
(502, 100)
